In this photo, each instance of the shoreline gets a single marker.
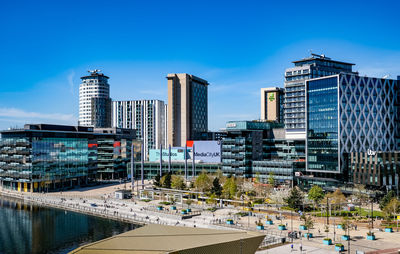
(118, 210)
(83, 210)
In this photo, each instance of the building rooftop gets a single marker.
(321, 57)
(157, 239)
(171, 75)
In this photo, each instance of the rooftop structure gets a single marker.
(159, 239)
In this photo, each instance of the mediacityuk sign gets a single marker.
(206, 151)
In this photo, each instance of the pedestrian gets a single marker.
(308, 237)
(291, 247)
(301, 248)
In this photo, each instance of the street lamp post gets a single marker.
(348, 239)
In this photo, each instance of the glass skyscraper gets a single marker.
(295, 77)
(349, 114)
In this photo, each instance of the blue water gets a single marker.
(27, 228)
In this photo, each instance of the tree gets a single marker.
(360, 195)
(230, 188)
(178, 183)
(336, 198)
(203, 182)
(258, 178)
(295, 198)
(392, 208)
(346, 225)
(271, 179)
(212, 200)
(157, 180)
(166, 181)
(316, 194)
(386, 199)
(308, 221)
(219, 174)
(216, 187)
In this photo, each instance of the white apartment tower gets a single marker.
(148, 117)
(94, 100)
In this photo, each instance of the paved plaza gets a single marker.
(100, 200)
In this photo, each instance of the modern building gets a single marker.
(244, 144)
(187, 108)
(378, 170)
(295, 77)
(152, 168)
(272, 104)
(283, 160)
(42, 157)
(94, 101)
(147, 117)
(349, 116)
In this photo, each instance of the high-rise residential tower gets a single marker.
(295, 77)
(187, 107)
(148, 117)
(94, 100)
(272, 106)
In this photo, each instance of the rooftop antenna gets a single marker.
(95, 71)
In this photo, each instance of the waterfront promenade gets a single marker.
(100, 201)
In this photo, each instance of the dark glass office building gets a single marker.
(43, 157)
(349, 114)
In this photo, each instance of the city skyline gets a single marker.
(238, 57)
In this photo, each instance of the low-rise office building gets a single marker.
(42, 157)
(259, 148)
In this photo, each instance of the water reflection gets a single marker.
(26, 228)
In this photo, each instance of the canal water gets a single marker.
(28, 228)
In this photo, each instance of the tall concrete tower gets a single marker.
(187, 108)
(94, 100)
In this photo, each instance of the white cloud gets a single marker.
(14, 114)
(70, 82)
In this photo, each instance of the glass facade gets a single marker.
(51, 157)
(322, 125)
(59, 158)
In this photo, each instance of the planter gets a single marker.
(282, 227)
(261, 227)
(229, 222)
(173, 207)
(309, 235)
(302, 227)
(189, 210)
(339, 226)
(371, 237)
(389, 230)
(339, 248)
(269, 222)
(327, 242)
(345, 237)
(159, 208)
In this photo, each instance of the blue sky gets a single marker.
(238, 46)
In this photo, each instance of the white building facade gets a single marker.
(94, 85)
(148, 117)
